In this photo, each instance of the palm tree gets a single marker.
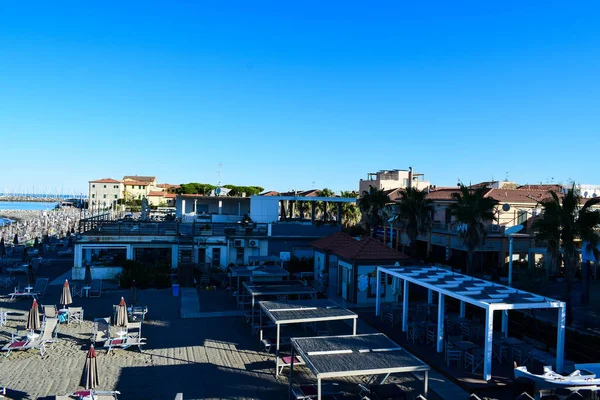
(564, 221)
(472, 211)
(371, 203)
(350, 211)
(321, 205)
(417, 210)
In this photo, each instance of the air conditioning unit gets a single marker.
(253, 243)
(238, 243)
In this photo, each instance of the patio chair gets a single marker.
(452, 354)
(431, 335)
(138, 313)
(101, 332)
(75, 314)
(40, 286)
(521, 354)
(96, 288)
(474, 358)
(500, 350)
(77, 290)
(48, 337)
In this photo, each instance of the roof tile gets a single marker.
(369, 249)
(333, 242)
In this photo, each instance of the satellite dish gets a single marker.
(218, 191)
(513, 229)
(506, 207)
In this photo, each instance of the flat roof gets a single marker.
(371, 354)
(297, 311)
(269, 289)
(472, 290)
(267, 271)
(312, 199)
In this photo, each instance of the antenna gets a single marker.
(506, 179)
(219, 166)
(313, 184)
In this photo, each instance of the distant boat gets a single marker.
(553, 380)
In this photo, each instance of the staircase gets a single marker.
(186, 254)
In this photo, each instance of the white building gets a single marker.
(393, 179)
(105, 192)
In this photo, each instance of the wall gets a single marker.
(264, 209)
(318, 263)
(108, 273)
(98, 192)
(362, 296)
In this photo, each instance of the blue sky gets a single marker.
(285, 94)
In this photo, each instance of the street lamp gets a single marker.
(510, 232)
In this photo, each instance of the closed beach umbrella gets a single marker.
(30, 275)
(33, 319)
(122, 314)
(16, 239)
(25, 255)
(87, 280)
(2, 248)
(65, 297)
(91, 369)
(133, 299)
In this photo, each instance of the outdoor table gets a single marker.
(87, 290)
(388, 391)
(465, 345)
(63, 315)
(28, 288)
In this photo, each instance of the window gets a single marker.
(372, 290)
(105, 196)
(93, 196)
(116, 186)
(140, 186)
(104, 186)
(521, 217)
(448, 216)
(132, 186)
(115, 196)
(93, 186)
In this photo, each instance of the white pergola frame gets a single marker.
(414, 274)
(251, 272)
(309, 306)
(419, 366)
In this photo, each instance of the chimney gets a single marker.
(410, 174)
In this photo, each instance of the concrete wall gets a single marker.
(109, 273)
(264, 209)
(318, 263)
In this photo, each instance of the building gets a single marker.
(393, 179)
(356, 280)
(214, 231)
(149, 180)
(161, 199)
(325, 262)
(105, 192)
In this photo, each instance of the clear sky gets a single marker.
(287, 93)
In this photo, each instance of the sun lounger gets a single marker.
(17, 269)
(96, 288)
(91, 394)
(67, 252)
(40, 286)
(22, 293)
(3, 317)
(286, 361)
(101, 332)
(132, 338)
(41, 342)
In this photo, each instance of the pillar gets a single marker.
(505, 323)
(440, 326)
(560, 341)
(313, 211)
(174, 256)
(405, 307)
(77, 255)
(129, 252)
(339, 213)
(377, 291)
(489, 336)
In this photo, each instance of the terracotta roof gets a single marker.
(170, 195)
(106, 180)
(555, 187)
(518, 195)
(393, 194)
(270, 193)
(157, 193)
(442, 193)
(136, 183)
(139, 178)
(333, 242)
(167, 186)
(302, 193)
(370, 249)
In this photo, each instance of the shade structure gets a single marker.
(33, 318)
(488, 295)
(65, 297)
(283, 312)
(122, 314)
(343, 356)
(30, 275)
(87, 279)
(91, 369)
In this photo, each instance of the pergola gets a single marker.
(487, 295)
(277, 289)
(284, 312)
(343, 356)
(252, 273)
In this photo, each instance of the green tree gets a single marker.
(322, 207)
(472, 211)
(371, 203)
(350, 211)
(562, 222)
(417, 211)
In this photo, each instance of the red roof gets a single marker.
(333, 242)
(170, 195)
(370, 249)
(168, 186)
(106, 180)
(519, 195)
(270, 193)
(156, 193)
(442, 193)
(136, 183)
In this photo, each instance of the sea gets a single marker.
(23, 206)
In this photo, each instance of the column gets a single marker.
(129, 254)
(462, 308)
(505, 323)
(440, 327)
(489, 336)
(339, 213)
(291, 208)
(77, 255)
(405, 307)
(377, 288)
(313, 211)
(560, 341)
(174, 256)
(429, 296)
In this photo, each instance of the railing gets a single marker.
(135, 228)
